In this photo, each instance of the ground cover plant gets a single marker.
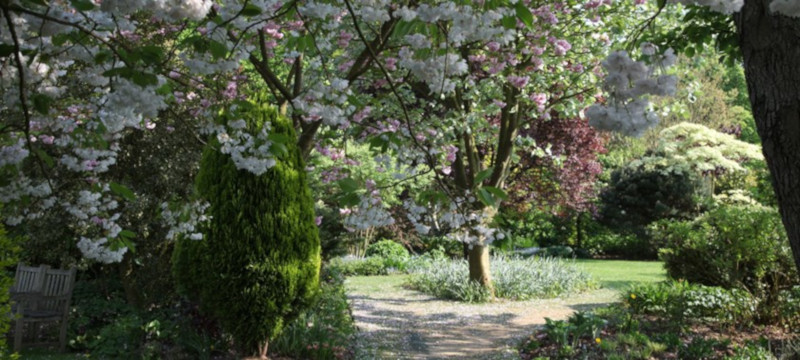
(516, 279)
(673, 319)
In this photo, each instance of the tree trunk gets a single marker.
(770, 46)
(133, 295)
(479, 266)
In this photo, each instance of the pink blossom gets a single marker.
(539, 99)
(391, 64)
(343, 67)
(273, 30)
(344, 39)
(361, 115)
(47, 139)
(518, 81)
(496, 67)
(477, 58)
(231, 90)
(493, 46)
(561, 47)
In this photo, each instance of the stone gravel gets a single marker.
(398, 323)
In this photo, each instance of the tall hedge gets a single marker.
(258, 264)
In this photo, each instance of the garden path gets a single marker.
(398, 323)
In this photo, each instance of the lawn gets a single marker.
(610, 274)
(621, 274)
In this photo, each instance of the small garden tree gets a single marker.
(258, 265)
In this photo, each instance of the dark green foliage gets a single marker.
(258, 266)
(387, 249)
(789, 308)
(442, 246)
(332, 234)
(604, 241)
(681, 302)
(323, 331)
(742, 246)
(104, 325)
(8, 258)
(650, 190)
(533, 228)
(358, 267)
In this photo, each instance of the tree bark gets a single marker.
(479, 266)
(770, 46)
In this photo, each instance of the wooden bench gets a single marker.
(41, 295)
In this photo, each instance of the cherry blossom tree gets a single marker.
(445, 88)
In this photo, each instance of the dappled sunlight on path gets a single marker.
(397, 323)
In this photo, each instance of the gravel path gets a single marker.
(397, 323)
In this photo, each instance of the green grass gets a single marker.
(621, 274)
(610, 274)
(376, 284)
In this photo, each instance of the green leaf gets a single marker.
(251, 10)
(279, 138)
(127, 234)
(102, 57)
(278, 149)
(350, 199)
(6, 50)
(485, 197)
(348, 185)
(496, 192)
(45, 157)
(82, 5)
(524, 14)
(164, 90)
(483, 175)
(217, 49)
(151, 54)
(123, 191)
(42, 103)
(509, 22)
(144, 79)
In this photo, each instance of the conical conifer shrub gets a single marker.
(258, 264)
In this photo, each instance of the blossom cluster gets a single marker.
(127, 67)
(629, 83)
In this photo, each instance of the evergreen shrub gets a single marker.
(732, 246)
(257, 267)
(393, 254)
(650, 189)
